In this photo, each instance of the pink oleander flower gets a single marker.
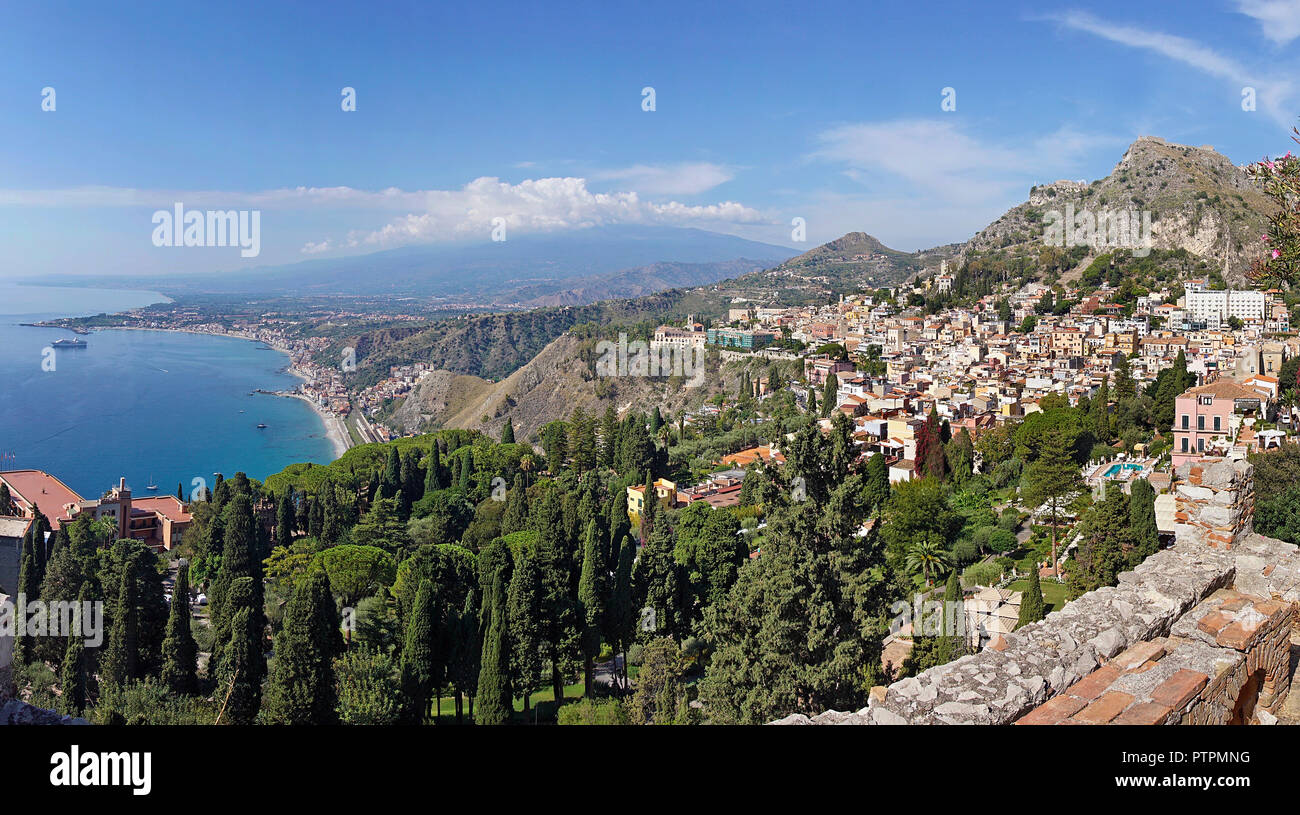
(1276, 254)
(1264, 238)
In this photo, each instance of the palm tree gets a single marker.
(927, 556)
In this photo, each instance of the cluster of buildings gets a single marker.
(157, 520)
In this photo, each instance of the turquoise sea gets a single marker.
(142, 405)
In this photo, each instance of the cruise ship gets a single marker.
(66, 343)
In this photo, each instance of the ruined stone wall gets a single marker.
(1215, 503)
(1143, 638)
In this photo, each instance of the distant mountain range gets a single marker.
(563, 268)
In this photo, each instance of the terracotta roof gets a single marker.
(38, 487)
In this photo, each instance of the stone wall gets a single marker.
(6, 660)
(1214, 503)
(1135, 638)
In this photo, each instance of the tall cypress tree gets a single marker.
(508, 432)
(1031, 601)
(524, 613)
(622, 610)
(417, 654)
(830, 394)
(515, 516)
(284, 519)
(433, 471)
(558, 612)
(1142, 517)
(391, 481)
(29, 587)
(243, 664)
(118, 665)
(301, 688)
(591, 603)
(492, 703)
(180, 652)
(72, 677)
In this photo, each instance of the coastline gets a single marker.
(334, 429)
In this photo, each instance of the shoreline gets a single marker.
(335, 431)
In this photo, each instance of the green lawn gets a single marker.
(1053, 593)
(542, 704)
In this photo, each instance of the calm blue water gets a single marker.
(142, 404)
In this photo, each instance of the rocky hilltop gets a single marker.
(1198, 199)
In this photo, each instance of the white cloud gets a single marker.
(949, 163)
(542, 204)
(1279, 20)
(690, 178)
(1272, 93)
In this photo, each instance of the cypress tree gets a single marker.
(391, 481)
(243, 664)
(433, 471)
(508, 432)
(515, 516)
(622, 613)
(301, 688)
(829, 394)
(284, 519)
(524, 615)
(591, 603)
(492, 703)
(180, 492)
(558, 612)
(72, 677)
(28, 586)
(118, 666)
(417, 655)
(1031, 601)
(1142, 517)
(180, 652)
(812, 401)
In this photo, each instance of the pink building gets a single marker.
(1203, 419)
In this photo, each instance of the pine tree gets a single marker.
(1050, 478)
(301, 688)
(508, 432)
(1031, 601)
(591, 602)
(492, 703)
(418, 667)
(1124, 386)
(180, 652)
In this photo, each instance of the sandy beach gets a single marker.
(338, 434)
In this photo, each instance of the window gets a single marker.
(1217, 423)
(1200, 422)
(1200, 445)
(1185, 420)
(1184, 444)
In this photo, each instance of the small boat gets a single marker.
(152, 487)
(261, 426)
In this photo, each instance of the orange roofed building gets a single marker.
(158, 521)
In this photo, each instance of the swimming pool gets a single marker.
(1117, 468)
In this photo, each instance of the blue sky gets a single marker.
(533, 113)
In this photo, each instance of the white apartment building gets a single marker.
(1217, 306)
